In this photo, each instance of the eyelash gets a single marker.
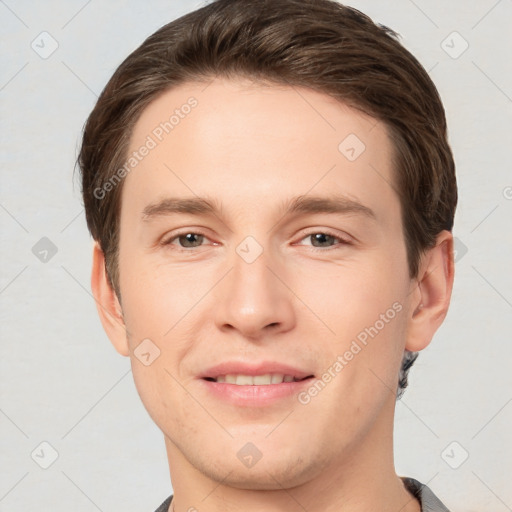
(342, 241)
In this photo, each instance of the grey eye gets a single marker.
(323, 239)
(190, 240)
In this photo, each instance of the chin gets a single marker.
(270, 473)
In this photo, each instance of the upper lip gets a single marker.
(262, 368)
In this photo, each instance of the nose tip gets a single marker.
(253, 301)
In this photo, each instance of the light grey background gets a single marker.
(63, 383)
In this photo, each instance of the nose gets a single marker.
(253, 298)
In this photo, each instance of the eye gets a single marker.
(187, 240)
(325, 239)
(319, 240)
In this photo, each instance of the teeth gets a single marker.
(257, 380)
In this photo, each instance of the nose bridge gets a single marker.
(250, 271)
(252, 297)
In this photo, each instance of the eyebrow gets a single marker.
(305, 204)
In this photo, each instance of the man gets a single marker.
(271, 194)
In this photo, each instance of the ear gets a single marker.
(107, 303)
(432, 294)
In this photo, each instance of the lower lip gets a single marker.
(254, 395)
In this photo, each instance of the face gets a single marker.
(262, 233)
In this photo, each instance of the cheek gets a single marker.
(158, 307)
(162, 394)
(365, 307)
(157, 297)
(351, 296)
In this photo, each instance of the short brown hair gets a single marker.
(318, 44)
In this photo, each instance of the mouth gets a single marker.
(254, 384)
(256, 380)
(264, 390)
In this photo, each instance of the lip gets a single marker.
(262, 368)
(251, 395)
(254, 395)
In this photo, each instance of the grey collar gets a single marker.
(428, 500)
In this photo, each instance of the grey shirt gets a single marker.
(428, 500)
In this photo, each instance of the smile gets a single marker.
(255, 380)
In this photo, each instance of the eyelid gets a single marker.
(167, 240)
(343, 239)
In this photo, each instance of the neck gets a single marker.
(364, 480)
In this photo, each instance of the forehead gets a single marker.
(250, 143)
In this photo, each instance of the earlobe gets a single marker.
(107, 303)
(432, 296)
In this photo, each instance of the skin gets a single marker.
(251, 148)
